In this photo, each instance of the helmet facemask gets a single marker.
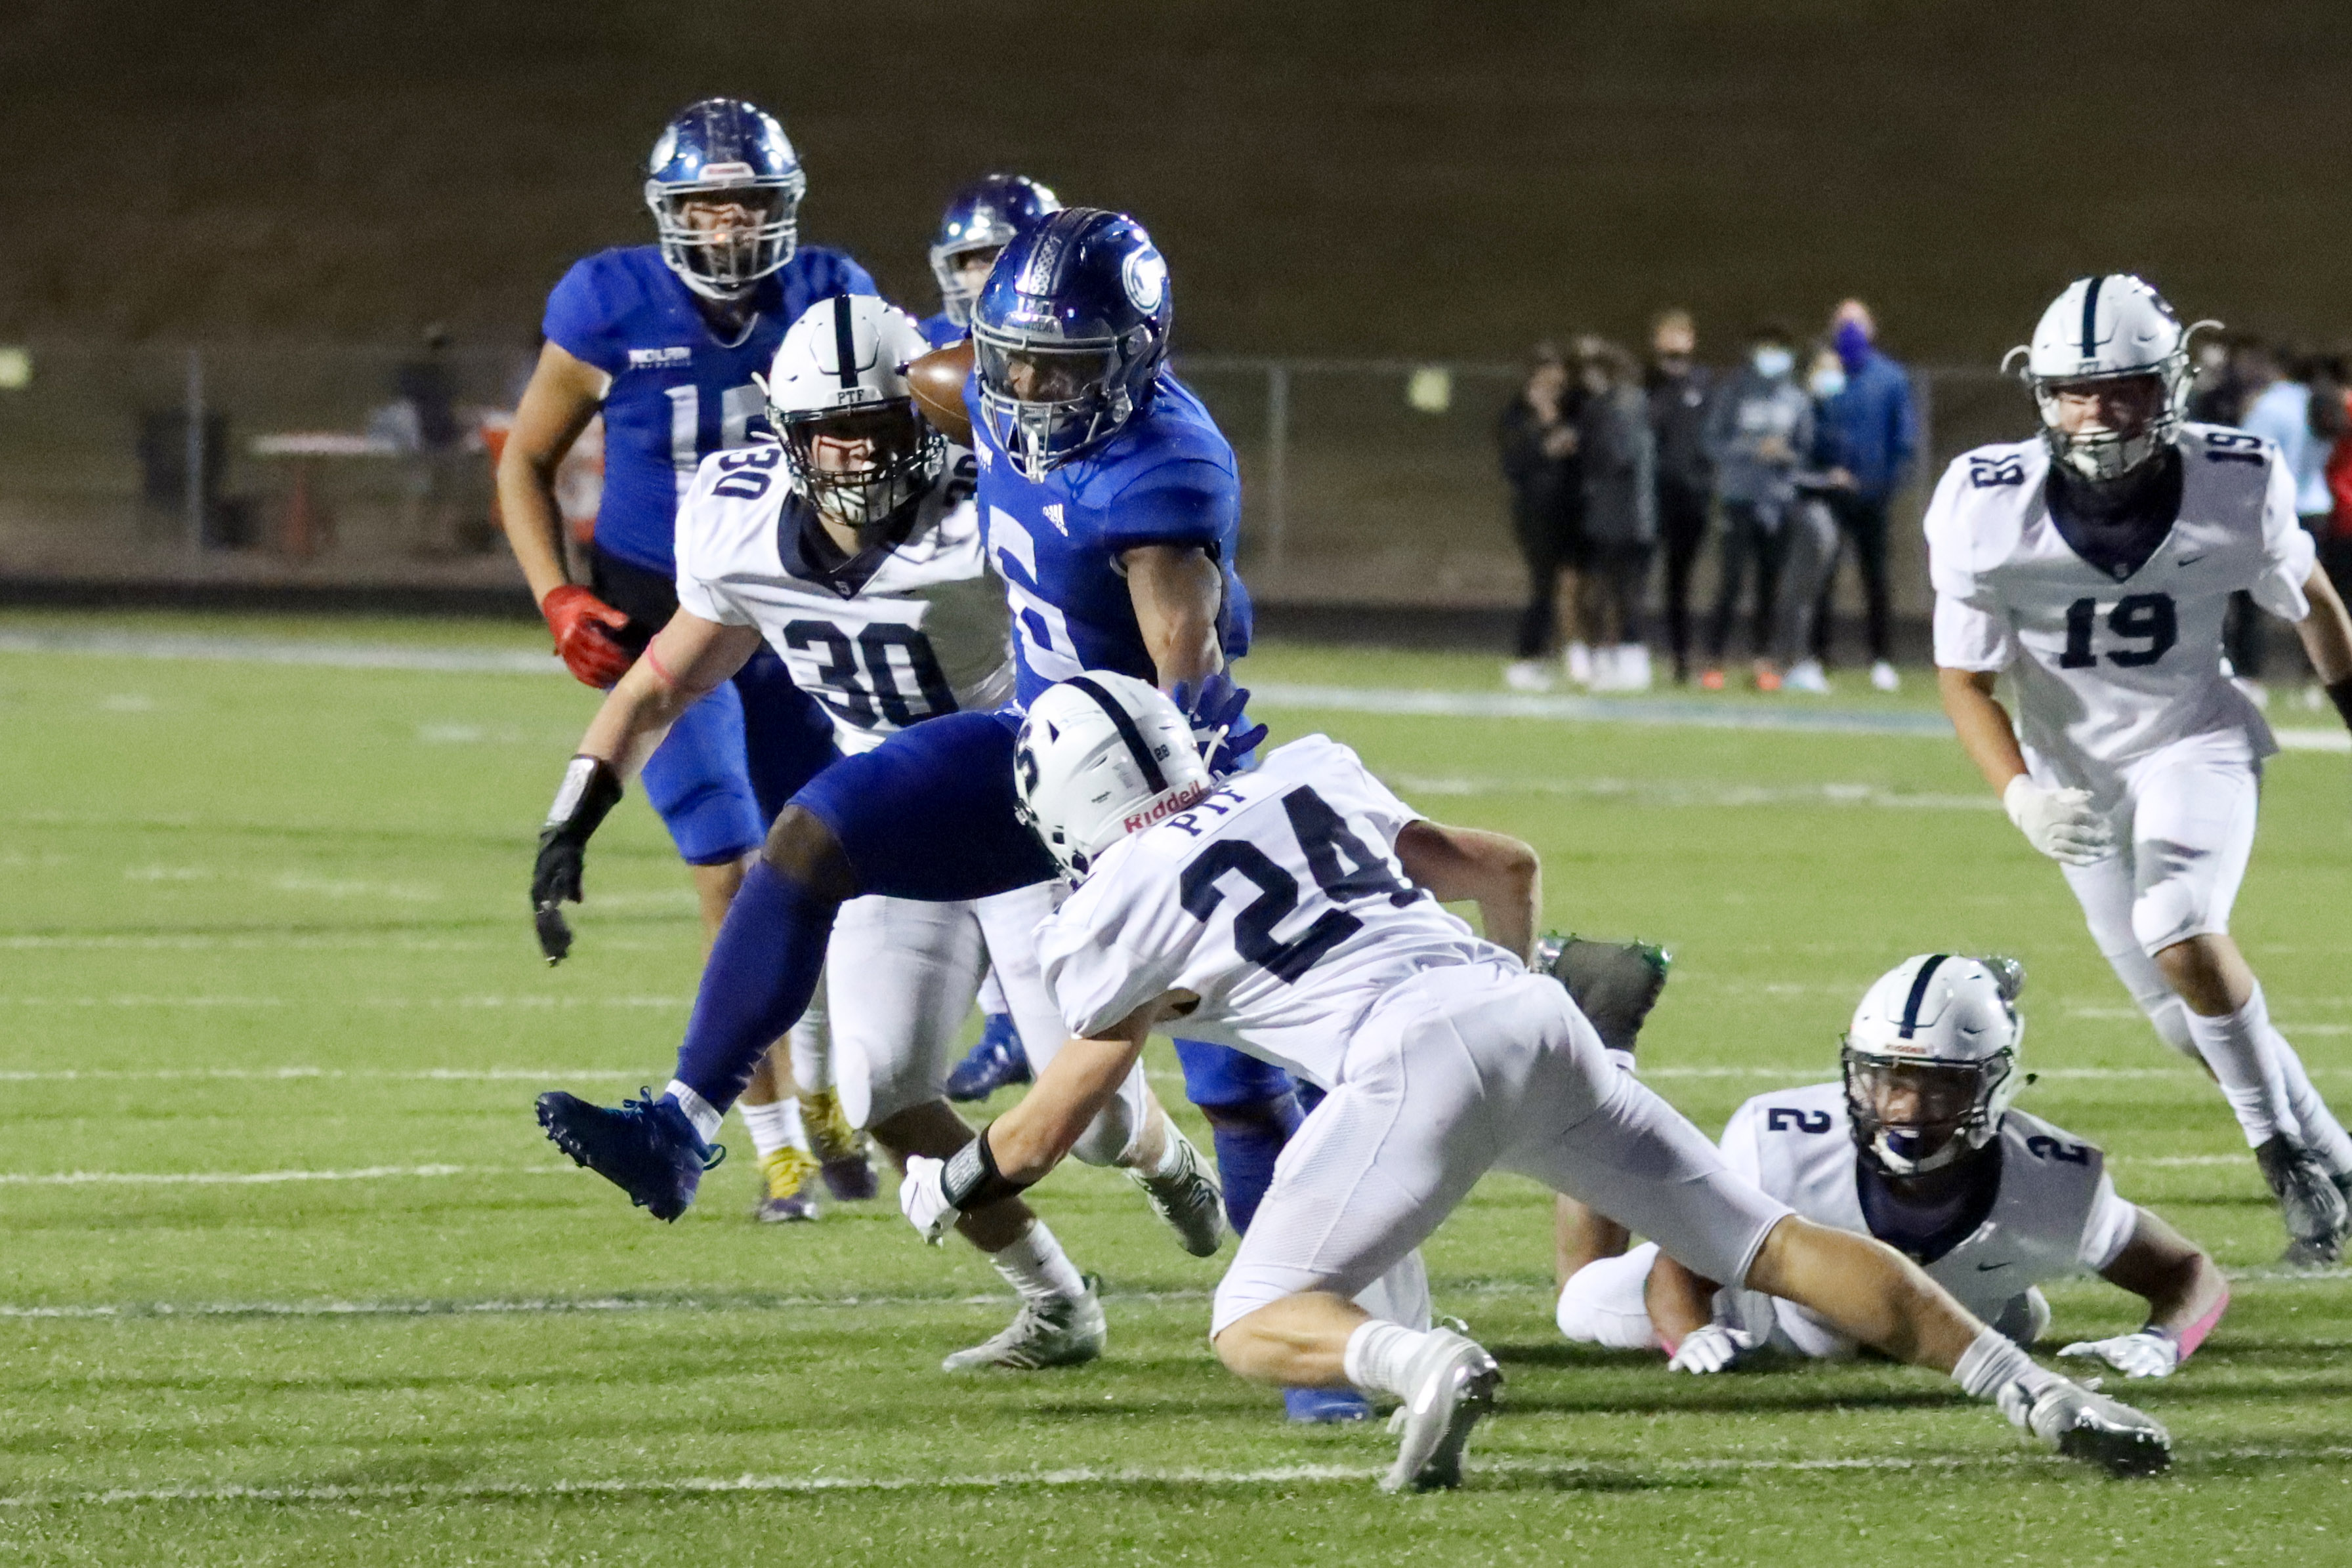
(1048, 402)
(861, 467)
(2102, 456)
(1916, 1115)
(956, 296)
(721, 236)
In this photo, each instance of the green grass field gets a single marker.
(288, 1274)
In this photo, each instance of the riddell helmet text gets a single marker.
(1165, 807)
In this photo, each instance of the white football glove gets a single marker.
(2143, 1354)
(1714, 1348)
(2059, 822)
(923, 1199)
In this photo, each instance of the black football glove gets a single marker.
(1613, 984)
(591, 789)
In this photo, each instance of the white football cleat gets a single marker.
(1454, 1382)
(1189, 1200)
(1067, 1331)
(2090, 1427)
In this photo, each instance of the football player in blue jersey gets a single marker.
(984, 217)
(1111, 505)
(663, 340)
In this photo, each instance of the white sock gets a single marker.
(697, 1110)
(2169, 1016)
(2235, 1046)
(811, 1049)
(773, 1127)
(2323, 1134)
(1038, 1268)
(992, 994)
(1380, 1356)
(1171, 1150)
(1993, 1363)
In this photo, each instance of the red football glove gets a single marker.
(580, 621)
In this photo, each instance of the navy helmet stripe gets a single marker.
(844, 341)
(1919, 992)
(2091, 316)
(1123, 722)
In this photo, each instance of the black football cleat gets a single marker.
(648, 1147)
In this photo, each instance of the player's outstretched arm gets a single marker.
(564, 395)
(1500, 875)
(2185, 1295)
(684, 662)
(1177, 590)
(2061, 823)
(2326, 635)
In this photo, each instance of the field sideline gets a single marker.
(293, 1278)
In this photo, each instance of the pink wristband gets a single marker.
(2194, 1334)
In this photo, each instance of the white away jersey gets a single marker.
(2108, 670)
(926, 633)
(1277, 900)
(2057, 1214)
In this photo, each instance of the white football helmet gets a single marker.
(841, 373)
(1931, 1060)
(2105, 328)
(1102, 756)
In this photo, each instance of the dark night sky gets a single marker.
(1342, 178)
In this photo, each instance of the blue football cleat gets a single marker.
(1325, 1406)
(648, 1147)
(996, 1062)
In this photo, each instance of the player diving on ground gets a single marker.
(1293, 912)
(2094, 567)
(1918, 1146)
(849, 548)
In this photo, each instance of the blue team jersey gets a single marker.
(679, 393)
(940, 330)
(1167, 479)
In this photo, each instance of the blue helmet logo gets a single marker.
(725, 187)
(1069, 333)
(984, 217)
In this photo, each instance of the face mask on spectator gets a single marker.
(1853, 344)
(1773, 362)
(1826, 381)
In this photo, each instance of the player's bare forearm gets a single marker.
(682, 665)
(1177, 590)
(1028, 1141)
(1982, 724)
(1502, 876)
(2183, 1287)
(1679, 1302)
(2327, 631)
(562, 397)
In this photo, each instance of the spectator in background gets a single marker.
(2278, 410)
(2218, 394)
(1809, 546)
(1760, 429)
(1538, 436)
(1619, 456)
(1679, 390)
(1876, 427)
(2334, 418)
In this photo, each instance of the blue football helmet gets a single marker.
(719, 154)
(986, 214)
(1068, 334)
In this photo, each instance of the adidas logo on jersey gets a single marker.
(1054, 516)
(642, 359)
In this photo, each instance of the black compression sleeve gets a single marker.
(589, 792)
(971, 1179)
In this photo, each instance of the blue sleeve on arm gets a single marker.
(579, 320)
(1186, 504)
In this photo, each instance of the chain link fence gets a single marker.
(1366, 482)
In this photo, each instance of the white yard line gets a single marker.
(1078, 1478)
(262, 1179)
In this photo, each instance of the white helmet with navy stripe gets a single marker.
(2104, 328)
(1931, 1060)
(840, 374)
(1101, 756)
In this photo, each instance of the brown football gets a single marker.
(937, 381)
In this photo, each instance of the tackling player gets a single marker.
(665, 340)
(852, 551)
(2093, 566)
(1292, 912)
(1991, 1201)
